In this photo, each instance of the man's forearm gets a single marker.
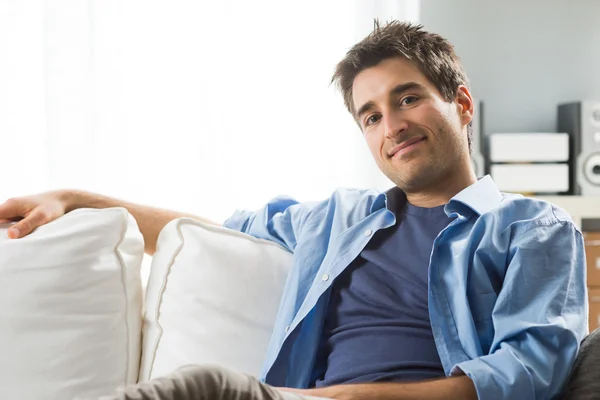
(458, 388)
(150, 220)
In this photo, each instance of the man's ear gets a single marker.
(464, 103)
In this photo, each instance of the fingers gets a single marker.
(28, 224)
(10, 220)
(12, 208)
(10, 211)
(14, 233)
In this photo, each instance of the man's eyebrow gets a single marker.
(365, 108)
(403, 87)
(398, 89)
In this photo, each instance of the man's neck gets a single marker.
(442, 191)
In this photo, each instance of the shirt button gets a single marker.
(287, 329)
(325, 277)
(368, 232)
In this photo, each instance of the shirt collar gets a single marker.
(393, 199)
(480, 197)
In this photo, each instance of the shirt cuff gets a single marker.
(239, 221)
(497, 376)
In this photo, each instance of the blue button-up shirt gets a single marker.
(507, 285)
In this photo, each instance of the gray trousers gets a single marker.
(208, 382)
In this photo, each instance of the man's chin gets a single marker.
(414, 182)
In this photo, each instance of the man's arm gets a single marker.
(540, 315)
(457, 388)
(40, 209)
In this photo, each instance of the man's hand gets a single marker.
(459, 388)
(37, 210)
(326, 392)
(32, 211)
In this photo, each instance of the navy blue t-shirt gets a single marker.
(377, 327)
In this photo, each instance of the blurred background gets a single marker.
(523, 57)
(209, 106)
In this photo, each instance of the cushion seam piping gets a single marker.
(160, 299)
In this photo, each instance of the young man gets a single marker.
(440, 288)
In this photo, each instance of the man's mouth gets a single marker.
(406, 145)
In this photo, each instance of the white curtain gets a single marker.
(197, 106)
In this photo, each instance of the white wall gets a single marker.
(523, 57)
(197, 106)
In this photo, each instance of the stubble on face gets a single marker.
(428, 166)
(442, 152)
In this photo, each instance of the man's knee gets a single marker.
(210, 373)
(214, 379)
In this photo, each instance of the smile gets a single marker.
(407, 146)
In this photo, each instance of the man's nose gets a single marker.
(394, 125)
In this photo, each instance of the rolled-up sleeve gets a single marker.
(280, 220)
(540, 316)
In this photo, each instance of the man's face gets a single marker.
(415, 136)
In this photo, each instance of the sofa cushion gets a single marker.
(212, 297)
(71, 307)
(584, 382)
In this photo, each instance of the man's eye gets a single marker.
(408, 100)
(372, 119)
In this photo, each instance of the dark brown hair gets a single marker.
(433, 55)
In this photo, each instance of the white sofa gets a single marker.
(77, 324)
